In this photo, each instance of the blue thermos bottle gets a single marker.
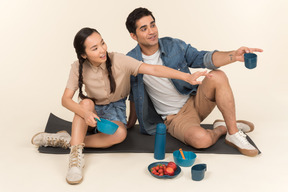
(160, 141)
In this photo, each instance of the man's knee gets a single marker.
(218, 76)
(199, 140)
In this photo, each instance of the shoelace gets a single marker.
(57, 143)
(75, 158)
(242, 138)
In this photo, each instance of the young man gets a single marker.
(181, 106)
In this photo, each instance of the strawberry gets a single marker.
(157, 167)
(172, 165)
(169, 171)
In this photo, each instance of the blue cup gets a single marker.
(107, 127)
(198, 171)
(250, 60)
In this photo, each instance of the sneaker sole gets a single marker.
(251, 125)
(250, 153)
(63, 131)
(74, 182)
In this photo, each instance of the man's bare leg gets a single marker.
(198, 137)
(217, 88)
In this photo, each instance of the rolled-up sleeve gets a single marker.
(72, 82)
(207, 60)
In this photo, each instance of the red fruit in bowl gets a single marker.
(169, 171)
(172, 165)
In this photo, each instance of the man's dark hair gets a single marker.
(134, 16)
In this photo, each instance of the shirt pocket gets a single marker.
(183, 66)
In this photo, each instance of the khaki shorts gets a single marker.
(195, 110)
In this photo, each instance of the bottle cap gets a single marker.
(161, 128)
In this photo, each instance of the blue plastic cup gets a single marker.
(107, 127)
(198, 171)
(250, 60)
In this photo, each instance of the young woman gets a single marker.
(106, 77)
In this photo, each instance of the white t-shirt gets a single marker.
(166, 99)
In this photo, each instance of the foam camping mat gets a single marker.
(136, 142)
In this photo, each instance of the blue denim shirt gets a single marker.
(175, 54)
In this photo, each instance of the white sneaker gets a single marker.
(76, 164)
(239, 141)
(59, 139)
(242, 125)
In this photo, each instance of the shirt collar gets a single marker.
(102, 66)
(139, 52)
(161, 47)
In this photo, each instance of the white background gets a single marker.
(36, 52)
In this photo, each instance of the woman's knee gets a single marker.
(120, 135)
(87, 104)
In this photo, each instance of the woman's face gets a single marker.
(95, 49)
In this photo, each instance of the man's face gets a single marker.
(146, 32)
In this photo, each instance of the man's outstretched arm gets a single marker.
(221, 58)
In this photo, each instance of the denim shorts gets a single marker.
(115, 111)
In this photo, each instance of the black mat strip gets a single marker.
(136, 142)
